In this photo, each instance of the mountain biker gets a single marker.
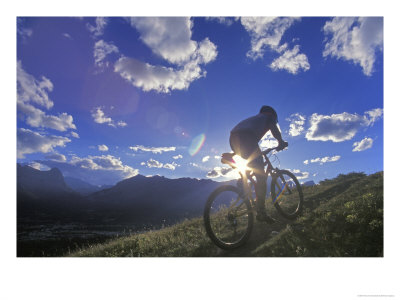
(244, 140)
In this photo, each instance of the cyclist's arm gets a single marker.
(276, 133)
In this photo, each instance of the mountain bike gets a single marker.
(229, 210)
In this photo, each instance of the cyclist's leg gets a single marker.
(237, 142)
(261, 187)
(246, 145)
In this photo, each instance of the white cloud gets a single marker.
(300, 174)
(177, 156)
(159, 78)
(152, 163)
(98, 29)
(291, 61)
(25, 32)
(268, 141)
(340, 127)
(228, 21)
(102, 148)
(355, 39)
(205, 158)
(201, 167)
(29, 141)
(171, 166)
(362, 145)
(336, 128)
(222, 172)
(170, 38)
(121, 124)
(374, 115)
(167, 37)
(100, 118)
(22, 30)
(101, 50)
(38, 166)
(265, 32)
(322, 160)
(85, 163)
(74, 134)
(38, 118)
(31, 90)
(110, 162)
(296, 126)
(56, 157)
(206, 52)
(67, 35)
(35, 165)
(103, 162)
(98, 170)
(155, 150)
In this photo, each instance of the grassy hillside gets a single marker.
(342, 217)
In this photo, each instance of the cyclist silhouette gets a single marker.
(244, 140)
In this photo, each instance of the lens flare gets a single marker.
(196, 144)
(241, 164)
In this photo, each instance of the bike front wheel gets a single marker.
(287, 194)
(228, 217)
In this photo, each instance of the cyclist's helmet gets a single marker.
(269, 109)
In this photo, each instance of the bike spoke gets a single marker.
(287, 194)
(229, 219)
(234, 203)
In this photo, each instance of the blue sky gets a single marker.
(104, 99)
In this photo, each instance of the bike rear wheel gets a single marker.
(287, 194)
(228, 217)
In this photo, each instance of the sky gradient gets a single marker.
(104, 99)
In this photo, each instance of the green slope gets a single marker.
(342, 217)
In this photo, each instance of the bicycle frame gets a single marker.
(249, 176)
(239, 204)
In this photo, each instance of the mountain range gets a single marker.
(82, 187)
(41, 184)
(138, 199)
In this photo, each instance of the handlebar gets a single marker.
(265, 152)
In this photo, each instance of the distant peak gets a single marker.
(54, 171)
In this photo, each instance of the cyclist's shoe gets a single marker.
(262, 216)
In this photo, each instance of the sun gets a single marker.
(241, 164)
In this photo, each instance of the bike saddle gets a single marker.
(227, 158)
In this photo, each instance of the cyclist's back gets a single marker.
(256, 125)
